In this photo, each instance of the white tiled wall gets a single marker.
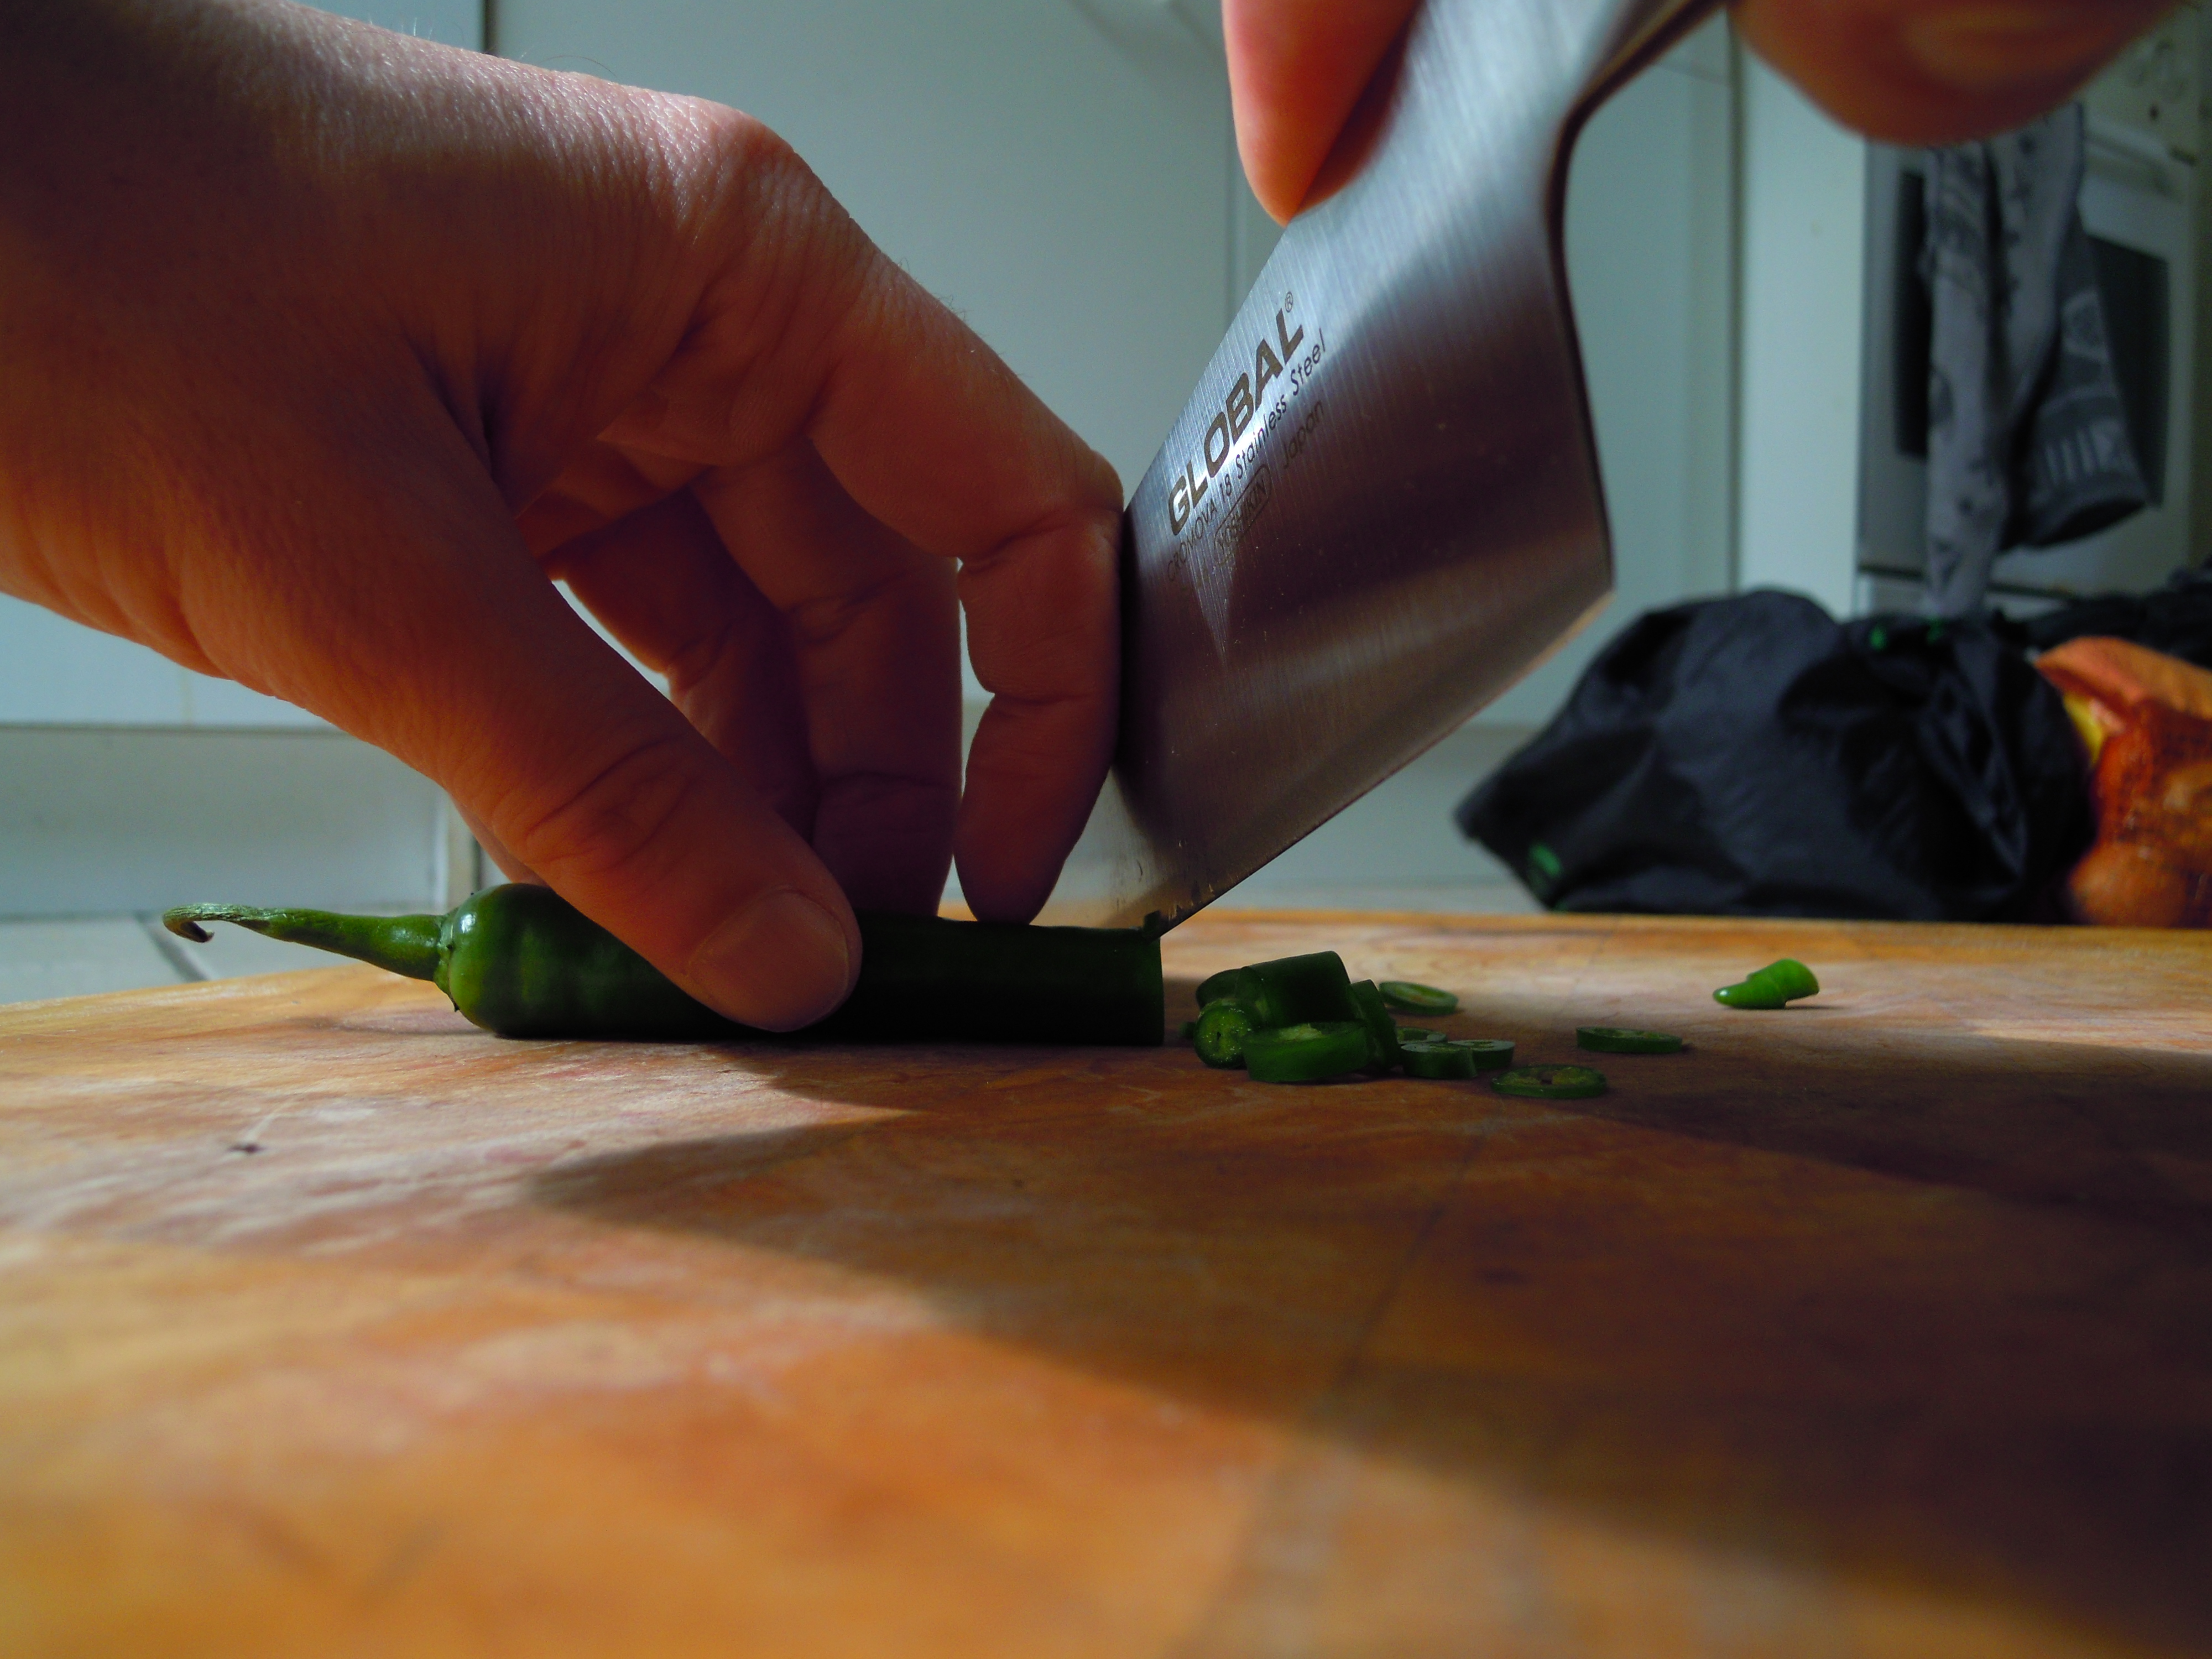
(98, 820)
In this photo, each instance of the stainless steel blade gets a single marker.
(1382, 505)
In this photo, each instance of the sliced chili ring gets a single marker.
(1223, 1028)
(1308, 1053)
(1550, 1082)
(1456, 1057)
(1409, 997)
(1490, 1053)
(1617, 1040)
(1437, 1060)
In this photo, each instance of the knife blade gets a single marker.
(1381, 506)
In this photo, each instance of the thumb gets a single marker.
(433, 634)
(1295, 68)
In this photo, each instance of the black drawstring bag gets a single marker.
(2176, 619)
(1752, 757)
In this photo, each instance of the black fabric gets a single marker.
(2079, 472)
(1752, 757)
(2176, 619)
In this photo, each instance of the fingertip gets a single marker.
(1034, 774)
(1297, 71)
(784, 961)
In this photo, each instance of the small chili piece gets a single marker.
(1223, 1028)
(1550, 1083)
(1775, 986)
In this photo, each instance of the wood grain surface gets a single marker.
(330, 1325)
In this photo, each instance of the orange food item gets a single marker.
(2146, 722)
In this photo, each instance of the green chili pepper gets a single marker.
(1306, 1053)
(1222, 1029)
(1775, 986)
(1613, 1040)
(522, 961)
(1418, 998)
(1417, 1034)
(1289, 991)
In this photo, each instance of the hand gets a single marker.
(327, 348)
(1907, 71)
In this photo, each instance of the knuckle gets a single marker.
(818, 620)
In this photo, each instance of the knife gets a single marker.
(1381, 506)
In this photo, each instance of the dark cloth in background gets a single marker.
(1752, 757)
(2176, 619)
(2027, 441)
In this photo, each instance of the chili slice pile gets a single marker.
(1292, 1020)
(1301, 1014)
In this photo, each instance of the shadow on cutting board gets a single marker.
(1877, 1319)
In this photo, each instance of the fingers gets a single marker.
(928, 435)
(1296, 68)
(1916, 72)
(872, 634)
(827, 670)
(664, 585)
(422, 624)
(935, 437)
(1043, 634)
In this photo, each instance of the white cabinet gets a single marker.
(1804, 301)
(57, 673)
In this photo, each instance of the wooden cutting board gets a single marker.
(330, 1325)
